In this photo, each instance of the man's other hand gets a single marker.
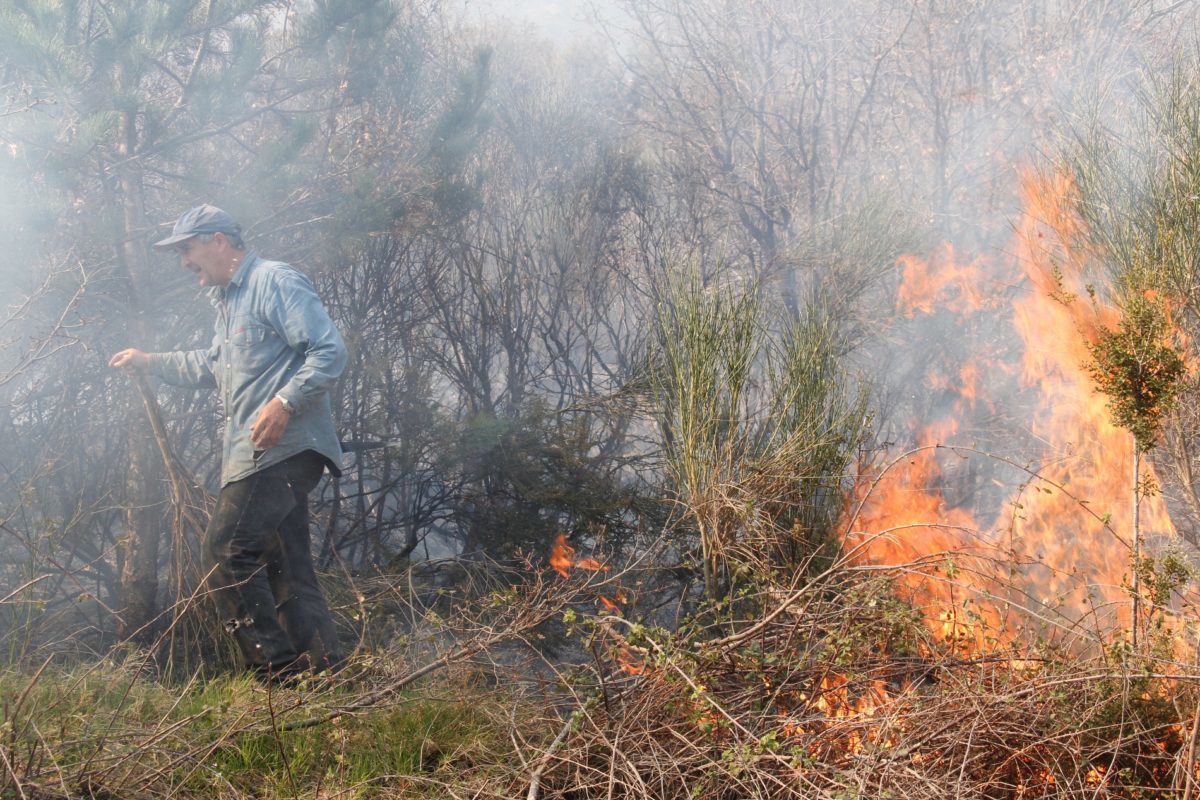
(130, 358)
(270, 424)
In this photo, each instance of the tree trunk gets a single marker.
(140, 545)
(144, 517)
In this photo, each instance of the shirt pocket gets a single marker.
(252, 345)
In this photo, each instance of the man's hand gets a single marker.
(130, 358)
(270, 424)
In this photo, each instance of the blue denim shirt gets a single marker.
(273, 336)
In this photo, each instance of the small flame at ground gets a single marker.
(629, 660)
(563, 560)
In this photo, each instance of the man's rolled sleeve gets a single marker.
(187, 368)
(306, 326)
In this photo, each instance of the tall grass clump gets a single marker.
(759, 423)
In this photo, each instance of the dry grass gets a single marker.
(831, 689)
(846, 694)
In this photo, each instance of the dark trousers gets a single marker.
(261, 570)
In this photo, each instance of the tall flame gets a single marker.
(1060, 546)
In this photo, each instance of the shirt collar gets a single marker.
(239, 277)
(217, 294)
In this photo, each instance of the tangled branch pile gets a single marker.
(837, 691)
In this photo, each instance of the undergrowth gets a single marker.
(839, 690)
(834, 688)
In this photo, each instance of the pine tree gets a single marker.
(120, 115)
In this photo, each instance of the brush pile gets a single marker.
(838, 691)
(835, 689)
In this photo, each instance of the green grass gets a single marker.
(419, 737)
(107, 732)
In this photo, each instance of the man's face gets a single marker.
(208, 260)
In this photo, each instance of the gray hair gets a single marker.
(235, 239)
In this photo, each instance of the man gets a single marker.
(274, 358)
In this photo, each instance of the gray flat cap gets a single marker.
(201, 219)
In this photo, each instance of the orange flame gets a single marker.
(834, 702)
(560, 556)
(938, 284)
(562, 559)
(1072, 540)
(1082, 552)
(629, 662)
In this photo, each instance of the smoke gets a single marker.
(488, 232)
